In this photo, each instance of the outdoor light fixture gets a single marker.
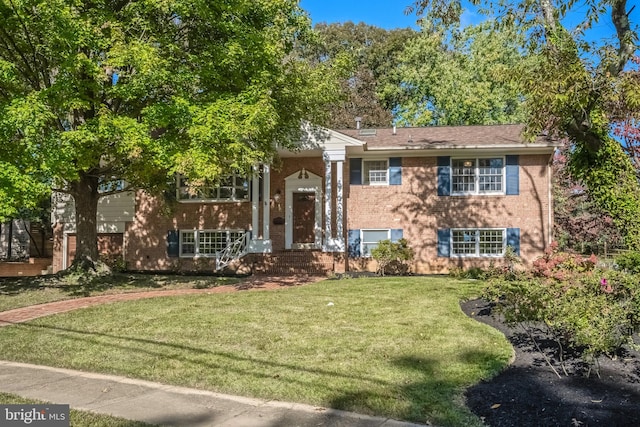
(277, 196)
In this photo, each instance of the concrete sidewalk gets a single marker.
(162, 404)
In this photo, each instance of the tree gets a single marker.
(97, 91)
(579, 224)
(454, 76)
(573, 90)
(372, 53)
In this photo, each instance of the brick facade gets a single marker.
(414, 206)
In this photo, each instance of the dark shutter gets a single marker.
(444, 175)
(512, 176)
(173, 243)
(396, 234)
(355, 171)
(513, 239)
(395, 171)
(353, 243)
(444, 242)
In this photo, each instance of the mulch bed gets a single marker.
(529, 393)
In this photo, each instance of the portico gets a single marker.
(304, 199)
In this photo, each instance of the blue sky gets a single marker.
(386, 14)
(390, 14)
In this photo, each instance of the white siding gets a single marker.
(113, 211)
(119, 207)
(19, 240)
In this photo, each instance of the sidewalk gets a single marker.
(161, 404)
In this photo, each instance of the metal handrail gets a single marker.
(234, 250)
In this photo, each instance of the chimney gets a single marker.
(358, 120)
(394, 128)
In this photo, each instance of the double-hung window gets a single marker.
(478, 242)
(231, 188)
(206, 243)
(371, 238)
(477, 176)
(376, 172)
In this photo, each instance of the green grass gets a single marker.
(77, 418)
(22, 292)
(397, 347)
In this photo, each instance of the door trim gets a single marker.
(312, 184)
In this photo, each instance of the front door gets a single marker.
(304, 219)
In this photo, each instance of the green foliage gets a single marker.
(629, 262)
(582, 307)
(371, 54)
(454, 76)
(611, 179)
(575, 88)
(393, 257)
(97, 91)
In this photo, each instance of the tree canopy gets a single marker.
(372, 54)
(576, 88)
(453, 76)
(97, 91)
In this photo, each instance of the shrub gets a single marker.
(595, 311)
(629, 262)
(393, 257)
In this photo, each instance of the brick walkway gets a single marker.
(256, 283)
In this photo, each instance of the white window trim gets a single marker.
(196, 244)
(365, 179)
(362, 242)
(477, 191)
(477, 253)
(214, 200)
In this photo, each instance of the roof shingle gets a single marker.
(440, 136)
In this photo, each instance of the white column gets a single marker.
(266, 199)
(339, 206)
(328, 237)
(255, 203)
(260, 242)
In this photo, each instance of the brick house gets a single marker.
(459, 195)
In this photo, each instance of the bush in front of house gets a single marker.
(629, 262)
(592, 310)
(393, 257)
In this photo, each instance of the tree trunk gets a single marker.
(85, 194)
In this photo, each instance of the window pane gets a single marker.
(374, 236)
(233, 187)
(225, 193)
(490, 175)
(375, 171)
(491, 242)
(205, 243)
(463, 175)
(368, 247)
(187, 243)
(464, 242)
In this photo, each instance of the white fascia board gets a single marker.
(448, 150)
(317, 139)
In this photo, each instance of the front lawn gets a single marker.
(25, 291)
(397, 347)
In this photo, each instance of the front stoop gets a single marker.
(297, 262)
